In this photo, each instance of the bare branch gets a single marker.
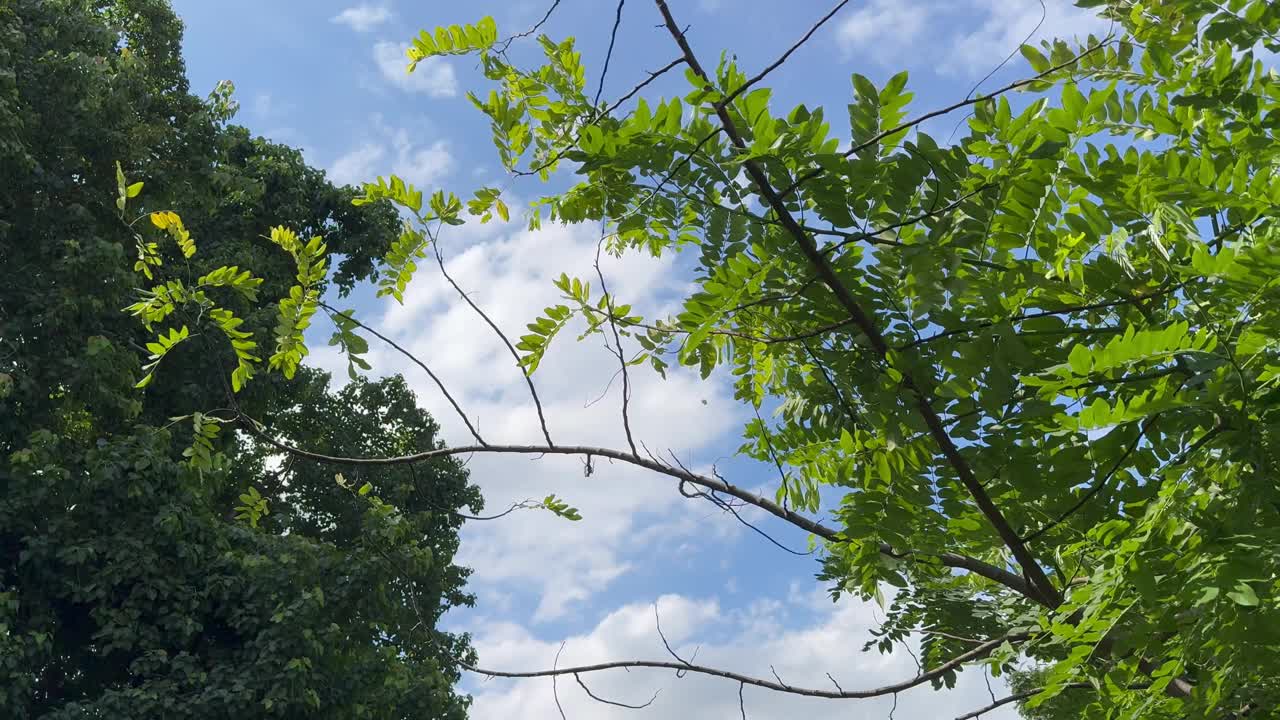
(774, 685)
(974, 565)
(613, 37)
(1038, 314)
(617, 341)
(542, 419)
(657, 621)
(522, 505)
(507, 43)
(615, 703)
(555, 693)
(414, 359)
(653, 75)
(724, 505)
(1030, 693)
(783, 58)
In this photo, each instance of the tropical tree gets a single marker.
(1037, 368)
(154, 563)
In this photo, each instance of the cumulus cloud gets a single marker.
(749, 640)
(362, 18)
(967, 38)
(881, 29)
(629, 514)
(392, 150)
(434, 76)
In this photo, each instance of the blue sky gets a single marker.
(327, 76)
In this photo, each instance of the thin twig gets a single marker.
(1097, 486)
(1038, 314)
(414, 359)
(597, 698)
(783, 58)
(617, 341)
(613, 36)
(784, 194)
(555, 693)
(533, 391)
(507, 43)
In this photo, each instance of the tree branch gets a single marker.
(764, 683)
(414, 359)
(943, 111)
(783, 58)
(533, 391)
(974, 565)
(1046, 593)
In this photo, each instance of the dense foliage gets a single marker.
(154, 563)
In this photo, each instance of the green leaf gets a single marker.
(1244, 595)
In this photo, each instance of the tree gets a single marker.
(154, 563)
(1039, 364)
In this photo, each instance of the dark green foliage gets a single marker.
(133, 581)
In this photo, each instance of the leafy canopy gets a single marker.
(155, 562)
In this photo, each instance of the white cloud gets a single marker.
(967, 38)
(434, 76)
(754, 641)
(630, 515)
(393, 151)
(362, 18)
(881, 29)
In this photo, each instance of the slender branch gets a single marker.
(1046, 593)
(1038, 314)
(974, 565)
(1097, 486)
(414, 359)
(783, 58)
(728, 507)
(507, 43)
(774, 685)
(533, 391)
(613, 37)
(768, 445)
(617, 341)
(555, 692)
(615, 703)
(873, 236)
(1030, 693)
(784, 194)
(559, 154)
(522, 505)
(653, 75)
